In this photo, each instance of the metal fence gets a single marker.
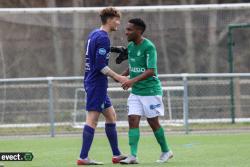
(48, 104)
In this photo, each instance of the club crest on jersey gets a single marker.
(102, 51)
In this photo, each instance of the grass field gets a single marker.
(45, 130)
(222, 150)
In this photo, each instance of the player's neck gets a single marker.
(139, 40)
(105, 28)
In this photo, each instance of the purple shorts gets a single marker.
(97, 98)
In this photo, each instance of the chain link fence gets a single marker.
(50, 106)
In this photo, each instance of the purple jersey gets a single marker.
(97, 57)
(95, 82)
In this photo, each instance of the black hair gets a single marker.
(139, 23)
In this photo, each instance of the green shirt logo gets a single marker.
(136, 69)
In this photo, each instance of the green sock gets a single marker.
(134, 136)
(160, 137)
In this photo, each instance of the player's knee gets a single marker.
(92, 122)
(133, 121)
(111, 118)
(154, 123)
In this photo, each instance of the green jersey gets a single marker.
(142, 57)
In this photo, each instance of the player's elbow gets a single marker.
(105, 70)
(99, 66)
(150, 72)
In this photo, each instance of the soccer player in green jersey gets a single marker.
(146, 95)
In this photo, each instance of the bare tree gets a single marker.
(57, 42)
(212, 40)
(190, 52)
(222, 35)
(3, 76)
(163, 42)
(76, 41)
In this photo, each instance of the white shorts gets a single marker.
(148, 106)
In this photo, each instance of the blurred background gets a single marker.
(42, 44)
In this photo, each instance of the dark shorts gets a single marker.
(97, 99)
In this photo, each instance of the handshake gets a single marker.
(126, 83)
(122, 53)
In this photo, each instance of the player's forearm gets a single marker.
(126, 72)
(144, 75)
(113, 75)
(107, 71)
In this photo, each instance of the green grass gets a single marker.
(223, 150)
(45, 130)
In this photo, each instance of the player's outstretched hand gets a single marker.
(122, 79)
(122, 51)
(126, 85)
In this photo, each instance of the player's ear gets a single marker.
(138, 30)
(109, 20)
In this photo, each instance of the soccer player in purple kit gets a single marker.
(96, 84)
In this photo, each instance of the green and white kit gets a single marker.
(146, 95)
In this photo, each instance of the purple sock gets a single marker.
(110, 129)
(87, 136)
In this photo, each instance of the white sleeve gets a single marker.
(105, 70)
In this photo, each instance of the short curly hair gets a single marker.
(109, 12)
(139, 23)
